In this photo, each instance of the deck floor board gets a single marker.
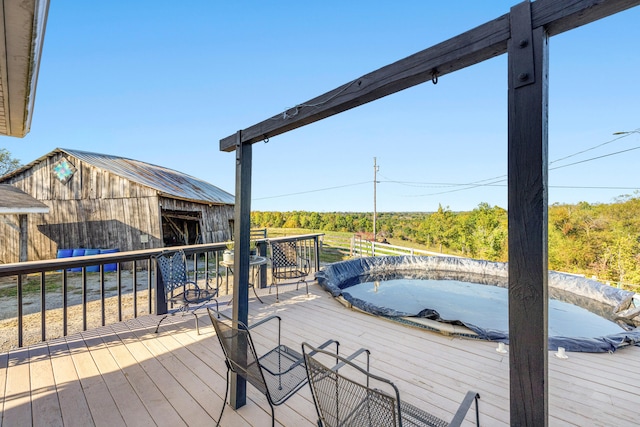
(125, 374)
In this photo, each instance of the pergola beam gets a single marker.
(472, 47)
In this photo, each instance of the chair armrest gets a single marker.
(265, 320)
(208, 275)
(340, 360)
(325, 345)
(192, 283)
(458, 418)
(184, 286)
(351, 357)
(306, 260)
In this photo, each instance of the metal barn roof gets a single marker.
(168, 182)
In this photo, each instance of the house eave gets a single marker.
(22, 29)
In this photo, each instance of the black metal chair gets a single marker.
(278, 374)
(179, 289)
(348, 395)
(288, 262)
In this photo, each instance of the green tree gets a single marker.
(442, 229)
(292, 220)
(489, 232)
(7, 163)
(315, 221)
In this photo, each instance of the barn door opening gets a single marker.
(181, 228)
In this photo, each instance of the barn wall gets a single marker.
(94, 209)
(214, 218)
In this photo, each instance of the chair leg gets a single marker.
(273, 415)
(158, 325)
(256, 294)
(197, 327)
(196, 316)
(275, 283)
(224, 402)
(305, 284)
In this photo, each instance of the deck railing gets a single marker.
(67, 300)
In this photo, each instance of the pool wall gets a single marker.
(338, 276)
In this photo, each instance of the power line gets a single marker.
(496, 181)
(581, 187)
(594, 188)
(597, 146)
(595, 158)
(477, 184)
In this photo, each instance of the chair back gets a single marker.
(239, 351)
(173, 268)
(349, 397)
(284, 254)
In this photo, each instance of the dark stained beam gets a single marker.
(527, 214)
(474, 46)
(242, 236)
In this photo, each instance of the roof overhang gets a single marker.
(17, 202)
(22, 28)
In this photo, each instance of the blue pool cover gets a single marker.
(605, 301)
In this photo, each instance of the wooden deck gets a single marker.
(124, 374)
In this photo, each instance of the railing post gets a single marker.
(43, 306)
(20, 314)
(262, 251)
(316, 249)
(161, 299)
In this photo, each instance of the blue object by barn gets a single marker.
(92, 268)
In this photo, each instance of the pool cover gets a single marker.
(577, 290)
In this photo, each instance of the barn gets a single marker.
(102, 201)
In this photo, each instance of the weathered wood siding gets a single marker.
(96, 209)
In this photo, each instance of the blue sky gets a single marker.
(163, 82)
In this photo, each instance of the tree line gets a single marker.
(590, 239)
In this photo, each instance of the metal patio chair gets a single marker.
(179, 289)
(278, 374)
(287, 263)
(348, 395)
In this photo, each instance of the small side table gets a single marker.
(254, 263)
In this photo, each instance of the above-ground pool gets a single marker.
(470, 298)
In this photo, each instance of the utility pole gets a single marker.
(375, 181)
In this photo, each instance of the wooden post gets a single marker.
(528, 183)
(262, 251)
(24, 237)
(242, 233)
(161, 298)
(316, 251)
